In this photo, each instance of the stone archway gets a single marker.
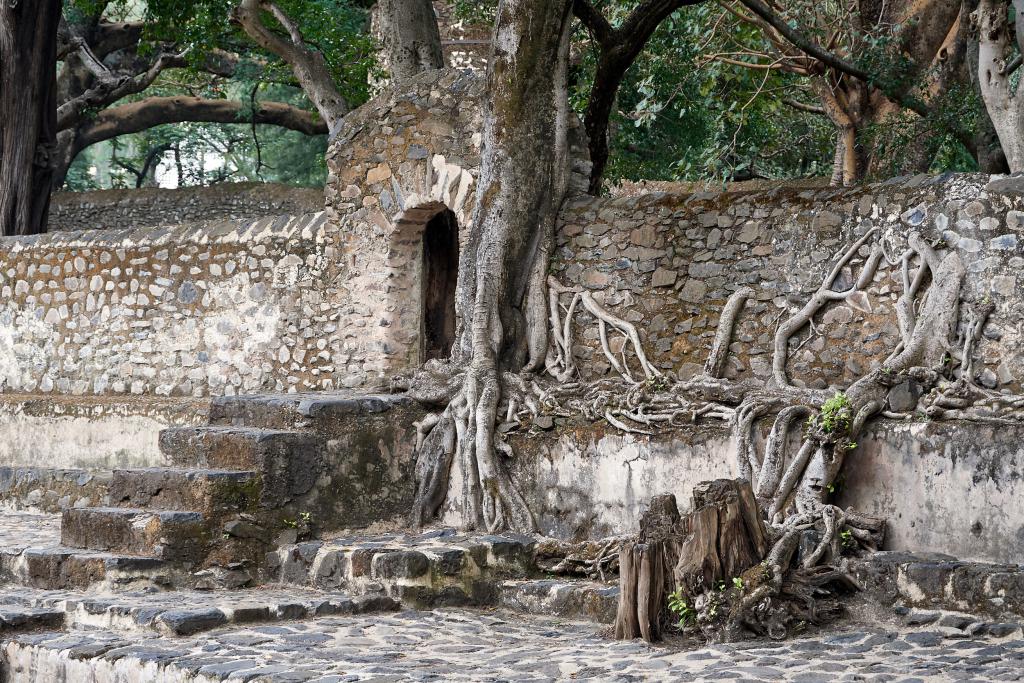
(438, 282)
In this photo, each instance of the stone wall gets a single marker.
(396, 163)
(945, 487)
(237, 307)
(128, 209)
(669, 262)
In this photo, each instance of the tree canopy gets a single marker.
(683, 90)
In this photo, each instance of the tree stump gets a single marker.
(645, 570)
(721, 538)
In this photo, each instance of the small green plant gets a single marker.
(658, 383)
(720, 585)
(847, 538)
(290, 523)
(305, 517)
(677, 605)
(737, 582)
(835, 414)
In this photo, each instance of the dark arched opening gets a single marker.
(440, 274)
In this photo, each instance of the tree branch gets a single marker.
(154, 111)
(619, 49)
(801, 106)
(110, 89)
(309, 66)
(594, 21)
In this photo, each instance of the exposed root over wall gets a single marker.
(791, 485)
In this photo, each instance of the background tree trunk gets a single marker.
(411, 37)
(28, 112)
(1005, 104)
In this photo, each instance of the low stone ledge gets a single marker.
(941, 582)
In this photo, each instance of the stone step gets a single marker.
(177, 612)
(20, 619)
(935, 581)
(232, 448)
(288, 463)
(61, 568)
(173, 535)
(31, 555)
(438, 568)
(49, 489)
(580, 600)
(298, 411)
(212, 492)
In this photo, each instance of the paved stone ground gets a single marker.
(461, 645)
(185, 612)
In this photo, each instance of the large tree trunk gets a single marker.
(523, 179)
(412, 40)
(28, 112)
(502, 297)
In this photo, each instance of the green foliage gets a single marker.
(212, 153)
(678, 605)
(682, 116)
(835, 414)
(475, 11)
(683, 111)
(737, 583)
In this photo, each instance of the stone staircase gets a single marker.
(230, 491)
(210, 538)
(443, 568)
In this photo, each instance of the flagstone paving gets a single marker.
(463, 645)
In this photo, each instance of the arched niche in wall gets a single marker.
(427, 238)
(438, 283)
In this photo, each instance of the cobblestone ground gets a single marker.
(480, 646)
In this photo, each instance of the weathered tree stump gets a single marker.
(645, 571)
(721, 538)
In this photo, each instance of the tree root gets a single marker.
(561, 365)
(592, 559)
(723, 336)
(791, 489)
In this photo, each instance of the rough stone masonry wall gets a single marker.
(394, 164)
(669, 262)
(238, 308)
(147, 207)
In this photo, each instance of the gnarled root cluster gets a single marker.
(790, 478)
(591, 559)
(797, 580)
